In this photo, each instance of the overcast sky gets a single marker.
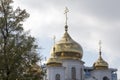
(89, 21)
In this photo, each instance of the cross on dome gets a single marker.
(66, 12)
(66, 18)
(100, 47)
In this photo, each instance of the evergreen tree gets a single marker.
(18, 51)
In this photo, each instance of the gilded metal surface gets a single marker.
(36, 68)
(54, 62)
(67, 46)
(100, 64)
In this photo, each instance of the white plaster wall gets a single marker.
(68, 64)
(90, 78)
(52, 71)
(99, 74)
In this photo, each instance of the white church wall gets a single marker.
(77, 64)
(52, 71)
(100, 74)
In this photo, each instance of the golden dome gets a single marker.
(100, 64)
(67, 48)
(54, 62)
(36, 69)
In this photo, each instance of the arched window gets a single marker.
(105, 78)
(57, 77)
(73, 73)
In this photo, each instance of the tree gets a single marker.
(18, 51)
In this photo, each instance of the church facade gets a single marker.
(65, 63)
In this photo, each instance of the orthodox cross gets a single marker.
(66, 12)
(100, 47)
(54, 38)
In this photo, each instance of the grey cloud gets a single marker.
(107, 9)
(103, 21)
(103, 8)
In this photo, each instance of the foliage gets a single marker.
(18, 51)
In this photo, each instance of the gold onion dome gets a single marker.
(54, 62)
(67, 48)
(36, 69)
(100, 63)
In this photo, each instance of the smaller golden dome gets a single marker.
(54, 62)
(36, 69)
(100, 64)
